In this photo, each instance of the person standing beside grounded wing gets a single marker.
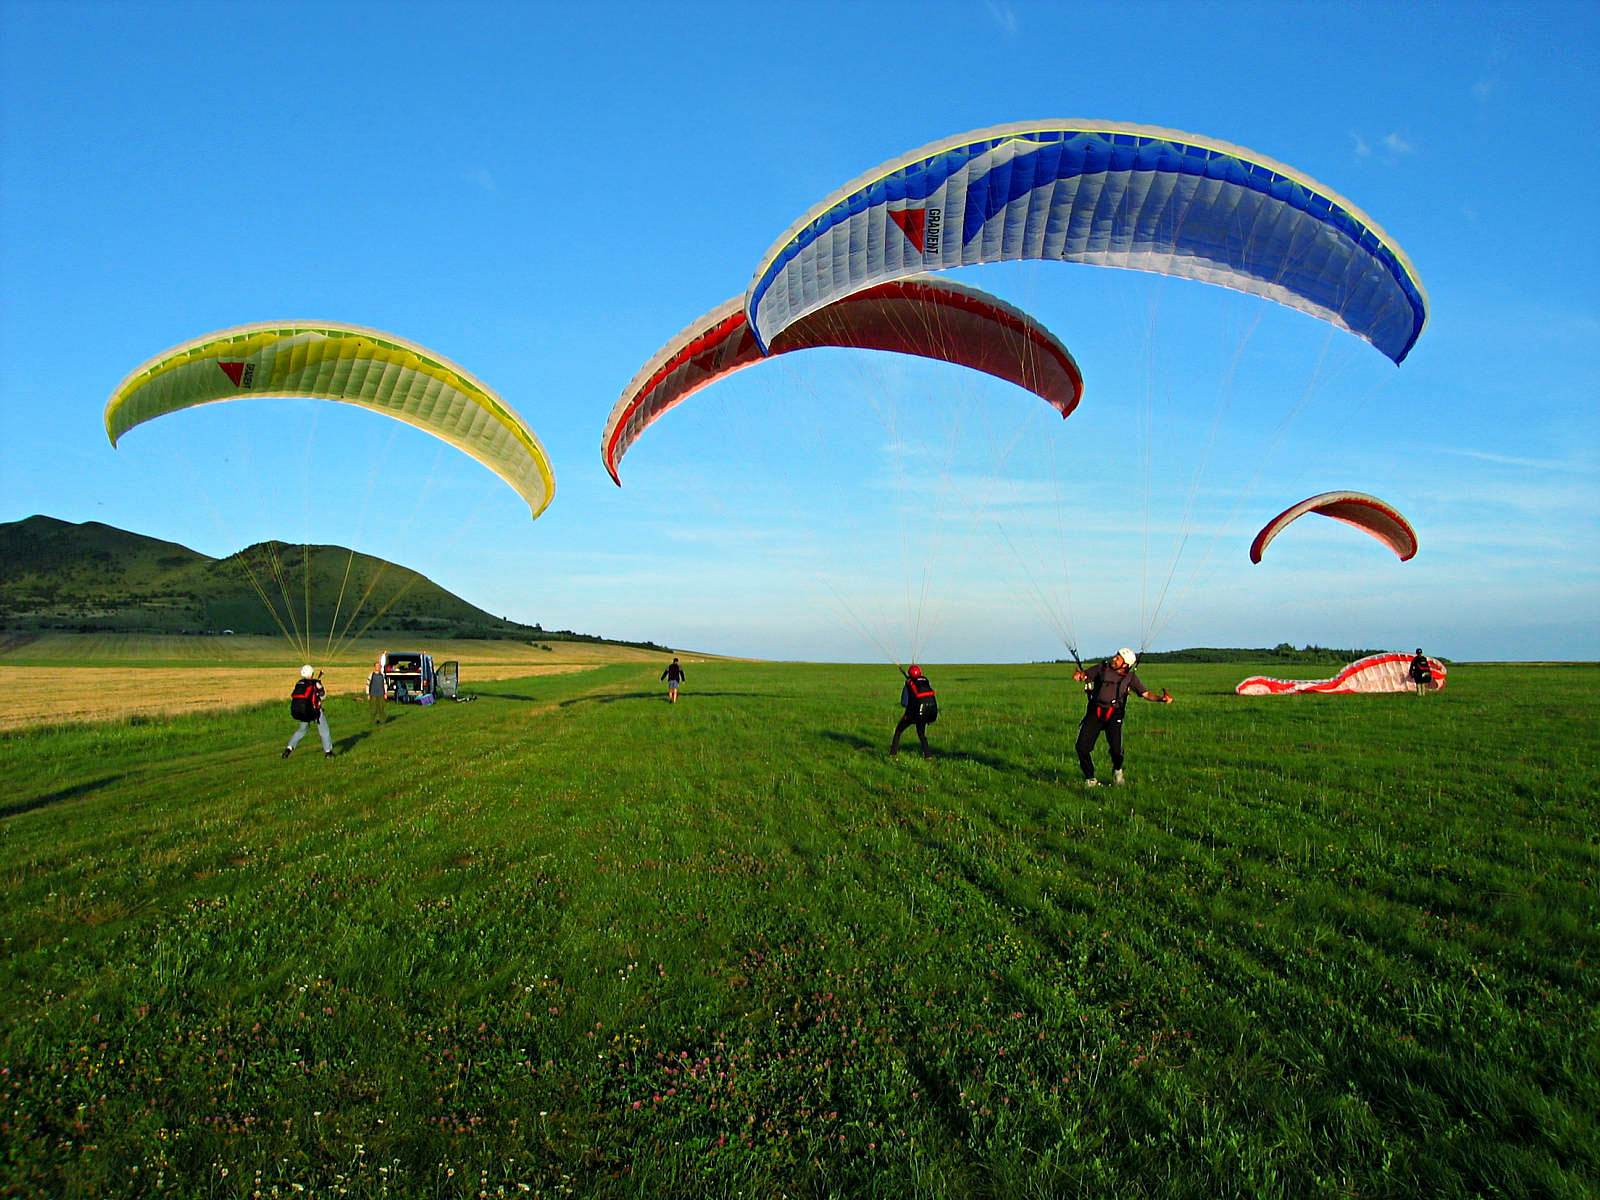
(1421, 672)
(1109, 684)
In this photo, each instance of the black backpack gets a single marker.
(924, 706)
(303, 700)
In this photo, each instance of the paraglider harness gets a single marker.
(303, 702)
(924, 707)
(1421, 672)
(1119, 699)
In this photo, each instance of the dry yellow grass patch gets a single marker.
(148, 675)
(48, 695)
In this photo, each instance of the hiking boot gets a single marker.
(287, 750)
(1118, 777)
(1091, 783)
(327, 754)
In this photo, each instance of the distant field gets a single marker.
(571, 940)
(95, 677)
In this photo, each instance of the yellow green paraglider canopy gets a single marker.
(349, 363)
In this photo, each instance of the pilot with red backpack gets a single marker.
(1108, 686)
(305, 706)
(921, 709)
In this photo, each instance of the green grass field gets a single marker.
(572, 940)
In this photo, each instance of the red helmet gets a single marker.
(915, 670)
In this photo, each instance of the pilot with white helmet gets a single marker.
(305, 706)
(1108, 686)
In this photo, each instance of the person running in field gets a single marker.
(916, 697)
(674, 675)
(305, 705)
(1421, 672)
(1109, 684)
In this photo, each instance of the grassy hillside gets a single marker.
(92, 578)
(50, 562)
(572, 940)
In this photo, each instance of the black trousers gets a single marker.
(1089, 733)
(905, 723)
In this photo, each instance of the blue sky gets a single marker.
(546, 193)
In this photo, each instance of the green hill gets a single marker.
(92, 578)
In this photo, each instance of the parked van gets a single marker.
(410, 675)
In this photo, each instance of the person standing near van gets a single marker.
(674, 675)
(305, 705)
(377, 695)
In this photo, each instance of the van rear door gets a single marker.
(447, 677)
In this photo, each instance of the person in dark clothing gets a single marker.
(1421, 672)
(916, 697)
(1109, 684)
(674, 675)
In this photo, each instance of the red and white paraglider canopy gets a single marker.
(1383, 521)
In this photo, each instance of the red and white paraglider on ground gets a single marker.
(1375, 673)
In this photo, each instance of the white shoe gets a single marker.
(1118, 778)
(1091, 783)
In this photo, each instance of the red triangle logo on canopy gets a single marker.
(234, 371)
(913, 223)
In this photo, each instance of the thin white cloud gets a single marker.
(1392, 143)
(1540, 464)
(1004, 16)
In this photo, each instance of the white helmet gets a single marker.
(1127, 656)
(306, 672)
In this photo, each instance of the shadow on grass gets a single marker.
(870, 745)
(613, 697)
(683, 697)
(854, 740)
(350, 741)
(908, 743)
(71, 793)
